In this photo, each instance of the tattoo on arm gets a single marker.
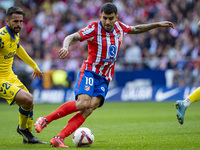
(75, 37)
(72, 38)
(143, 28)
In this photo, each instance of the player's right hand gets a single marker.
(38, 73)
(63, 52)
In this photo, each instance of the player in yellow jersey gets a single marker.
(11, 88)
(181, 106)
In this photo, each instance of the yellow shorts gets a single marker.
(9, 87)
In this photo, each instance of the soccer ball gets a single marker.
(83, 137)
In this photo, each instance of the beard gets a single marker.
(15, 30)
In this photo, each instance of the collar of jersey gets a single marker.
(105, 29)
(10, 32)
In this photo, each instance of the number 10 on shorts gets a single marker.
(89, 81)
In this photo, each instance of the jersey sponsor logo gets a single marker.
(112, 53)
(112, 50)
(10, 55)
(109, 60)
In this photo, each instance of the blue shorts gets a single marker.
(91, 84)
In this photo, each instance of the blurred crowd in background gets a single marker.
(48, 22)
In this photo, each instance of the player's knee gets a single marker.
(83, 103)
(28, 101)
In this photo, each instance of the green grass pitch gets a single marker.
(117, 125)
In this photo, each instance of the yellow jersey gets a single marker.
(8, 47)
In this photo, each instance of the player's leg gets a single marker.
(182, 105)
(29, 123)
(63, 110)
(72, 106)
(77, 120)
(25, 102)
(11, 93)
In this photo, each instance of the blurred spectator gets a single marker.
(187, 76)
(177, 78)
(196, 73)
(133, 56)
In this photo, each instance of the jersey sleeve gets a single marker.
(126, 28)
(87, 32)
(26, 58)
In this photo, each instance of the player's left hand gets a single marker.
(38, 73)
(166, 24)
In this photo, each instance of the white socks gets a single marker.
(186, 102)
(22, 128)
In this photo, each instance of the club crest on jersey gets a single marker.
(119, 36)
(87, 87)
(112, 50)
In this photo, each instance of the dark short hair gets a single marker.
(14, 10)
(108, 8)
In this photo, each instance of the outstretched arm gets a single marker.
(146, 27)
(27, 59)
(67, 41)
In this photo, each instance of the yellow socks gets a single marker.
(195, 96)
(23, 117)
(29, 123)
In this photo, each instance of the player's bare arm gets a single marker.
(146, 27)
(67, 41)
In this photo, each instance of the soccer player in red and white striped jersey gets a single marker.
(103, 47)
(104, 39)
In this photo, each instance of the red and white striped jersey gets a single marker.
(103, 47)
